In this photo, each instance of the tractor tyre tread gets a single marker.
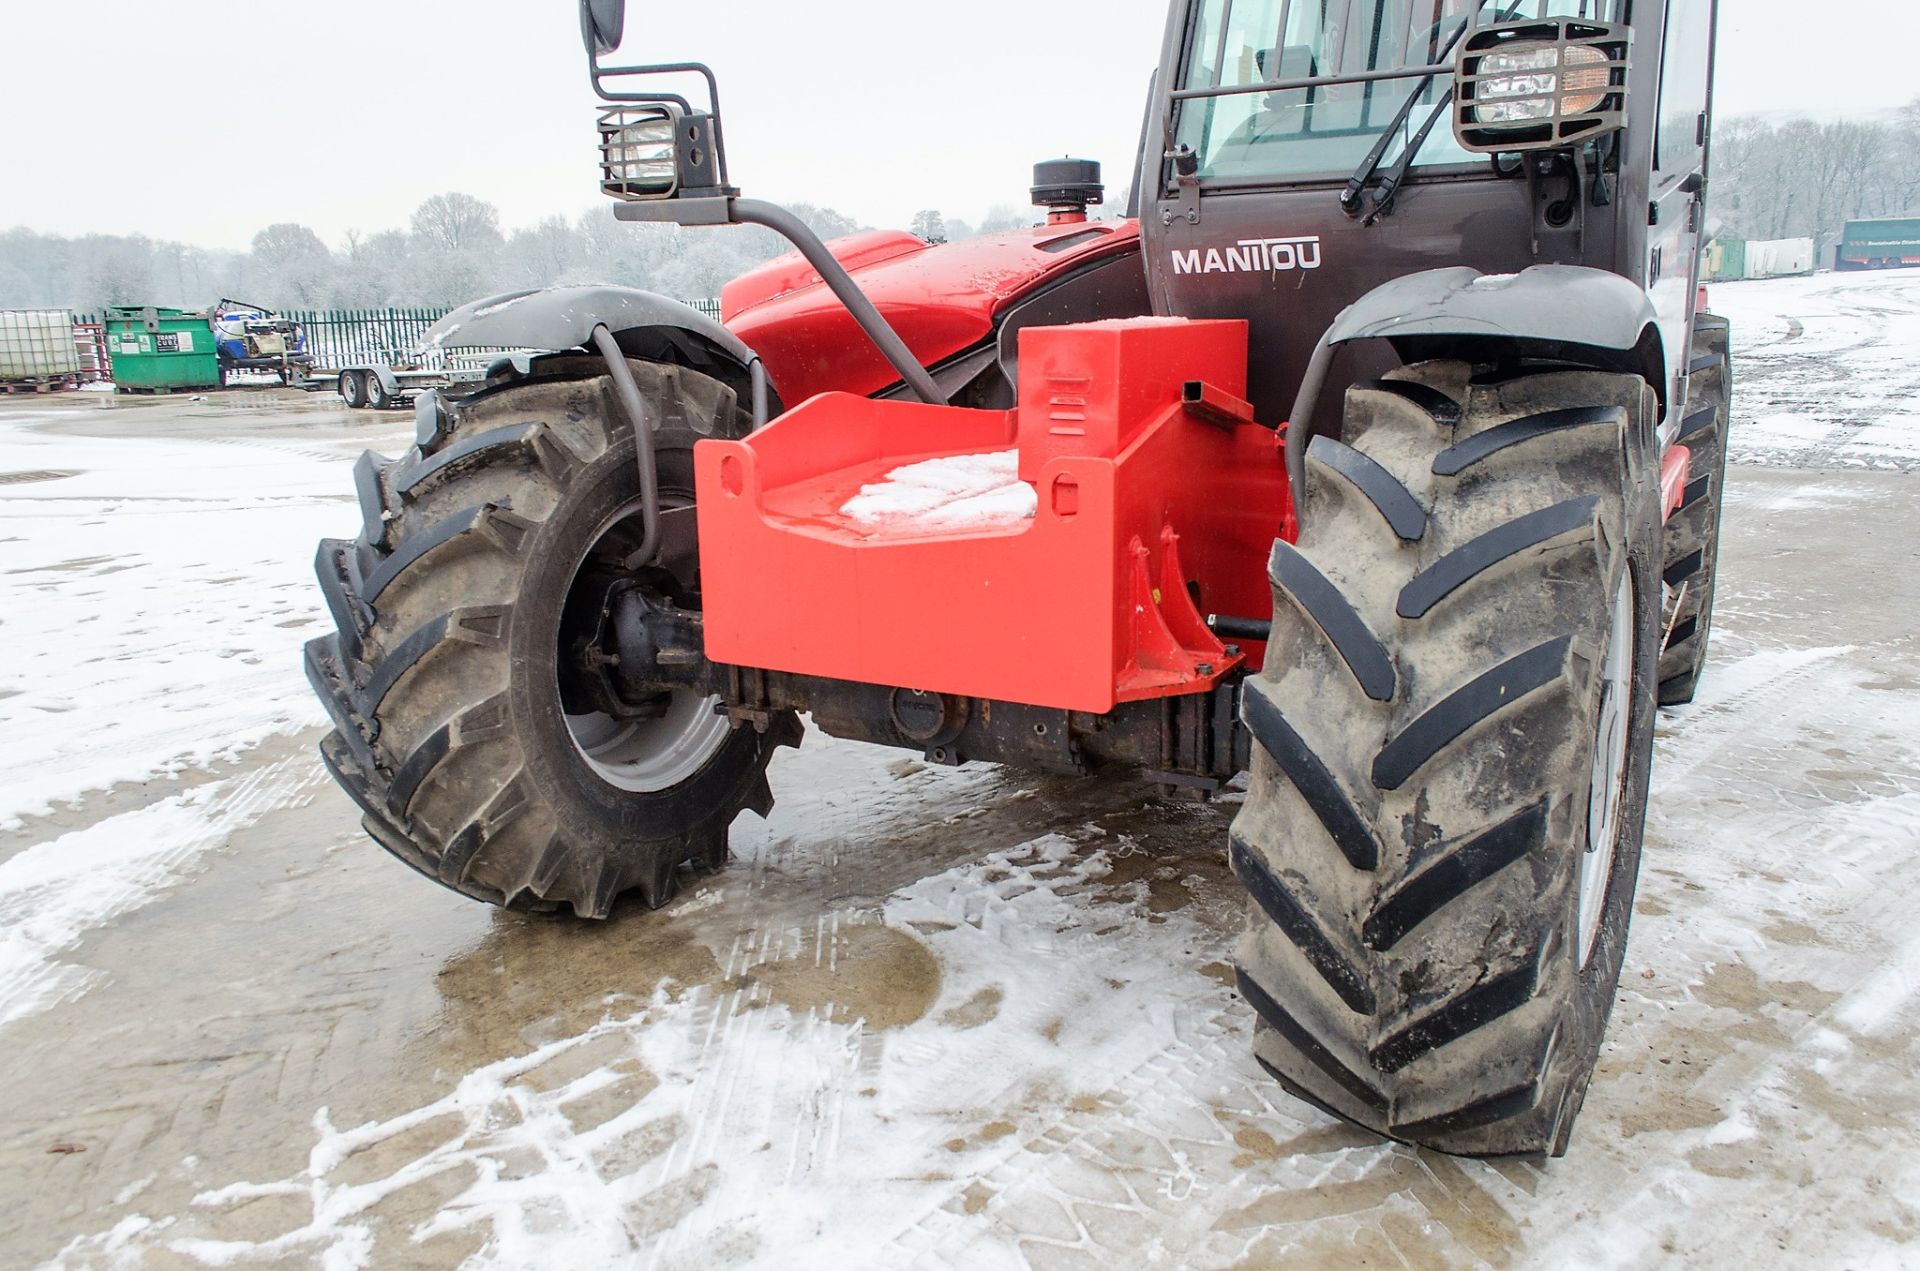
(425, 678)
(1409, 858)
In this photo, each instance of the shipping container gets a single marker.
(1882, 243)
(37, 344)
(1732, 259)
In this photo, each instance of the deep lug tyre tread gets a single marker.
(1412, 858)
(443, 729)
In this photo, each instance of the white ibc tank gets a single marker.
(37, 344)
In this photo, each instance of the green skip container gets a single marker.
(157, 350)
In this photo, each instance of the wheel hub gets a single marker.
(633, 678)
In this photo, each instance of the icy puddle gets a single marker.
(53, 893)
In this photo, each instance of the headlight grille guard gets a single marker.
(619, 152)
(1611, 40)
(699, 140)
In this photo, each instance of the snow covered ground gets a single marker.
(929, 1017)
(1829, 370)
(149, 587)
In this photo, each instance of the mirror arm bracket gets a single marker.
(737, 211)
(841, 283)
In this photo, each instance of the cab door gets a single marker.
(1676, 209)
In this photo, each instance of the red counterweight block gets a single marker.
(1156, 498)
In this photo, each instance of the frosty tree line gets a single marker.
(453, 250)
(1791, 179)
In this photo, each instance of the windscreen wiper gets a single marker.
(1390, 188)
(1355, 193)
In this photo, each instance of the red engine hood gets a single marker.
(942, 300)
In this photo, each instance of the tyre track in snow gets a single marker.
(1839, 391)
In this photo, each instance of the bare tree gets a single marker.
(930, 225)
(1004, 217)
(456, 222)
(541, 256)
(1803, 179)
(1903, 174)
(372, 270)
(289, 266)
(452, 251)
(118, 271)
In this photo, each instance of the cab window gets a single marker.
(1325, 127)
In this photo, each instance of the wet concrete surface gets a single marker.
(979, 1018)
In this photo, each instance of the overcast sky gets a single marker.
(203, 122)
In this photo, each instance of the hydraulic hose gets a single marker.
(642, 424)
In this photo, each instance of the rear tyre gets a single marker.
(353, 390)
(1453, 732)
(1693, 532)
(377, 395)
(446, 677)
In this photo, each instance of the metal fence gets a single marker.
(363, 337)
(348, 337)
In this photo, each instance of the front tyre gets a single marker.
(1453, 736)
(452, 677)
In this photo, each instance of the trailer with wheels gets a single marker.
(1377, 453)
(378, 387)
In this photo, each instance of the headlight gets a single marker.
(638, 152)
(1526, 83)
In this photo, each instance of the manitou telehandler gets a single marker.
(1376, 452)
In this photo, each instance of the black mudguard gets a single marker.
(1561, 312)
(1553, 304)
(648, 326)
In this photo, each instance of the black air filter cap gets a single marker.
(1068, 183)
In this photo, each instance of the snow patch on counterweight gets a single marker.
(957, 492)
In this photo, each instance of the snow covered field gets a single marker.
(929, 1017)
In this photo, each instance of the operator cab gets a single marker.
(1300, 153)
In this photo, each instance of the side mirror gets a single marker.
(601, 24)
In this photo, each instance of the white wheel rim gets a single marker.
(1608, 787)
(649, 755)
